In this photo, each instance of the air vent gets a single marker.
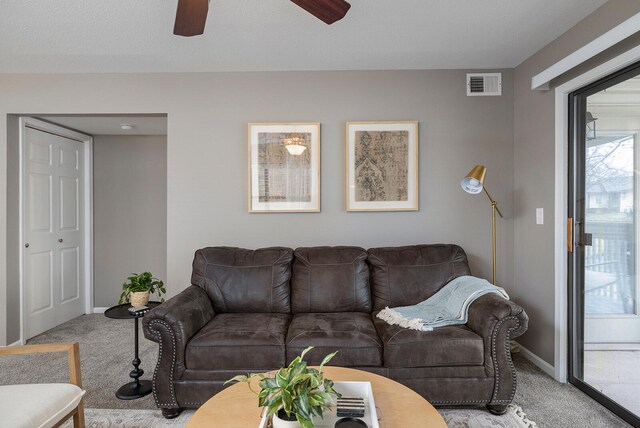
(484, 84)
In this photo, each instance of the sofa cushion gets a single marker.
(239, 341)
(402, 276)
(448, 346)
(239, 280)
(330, 279)
(351, 333)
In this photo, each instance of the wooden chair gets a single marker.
(44, 405)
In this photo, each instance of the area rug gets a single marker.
(121, 418)
(480, 418)
(455, 418)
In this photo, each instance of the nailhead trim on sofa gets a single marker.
(443, 403)
(173, 363)
(507, 347)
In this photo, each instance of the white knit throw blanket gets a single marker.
(449, 306)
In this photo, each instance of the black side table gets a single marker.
(138, 388)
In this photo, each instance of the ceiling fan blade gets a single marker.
(191, 17)
(328, 11)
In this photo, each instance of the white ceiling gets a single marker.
(96, 36)
(110, 125)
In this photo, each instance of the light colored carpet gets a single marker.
(555, 405)
(456, 418)
(106, 351)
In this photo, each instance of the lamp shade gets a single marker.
(474, 181)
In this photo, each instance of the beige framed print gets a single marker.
(284, 167)
(382, 166)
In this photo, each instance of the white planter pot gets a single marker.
(279, 423)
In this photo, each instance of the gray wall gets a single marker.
(534, 167)
(207, 154)
(13, 236)
(130, 211)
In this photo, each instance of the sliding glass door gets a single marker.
(604, 195)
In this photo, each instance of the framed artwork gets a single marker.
(284, 167)
(382, 166)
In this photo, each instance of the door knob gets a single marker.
(60, 240)
(26, 245)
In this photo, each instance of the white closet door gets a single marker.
(53, 230)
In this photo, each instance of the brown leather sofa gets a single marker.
(256, 310)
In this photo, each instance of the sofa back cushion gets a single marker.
(402, 276)
(330, 279)
(240, 280)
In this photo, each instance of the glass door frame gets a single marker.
(575, 259)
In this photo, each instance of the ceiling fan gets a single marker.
(192, 14)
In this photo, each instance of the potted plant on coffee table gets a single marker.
(139, 286)
(295, 394)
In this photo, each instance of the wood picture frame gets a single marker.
(280, 179)
(382, 166)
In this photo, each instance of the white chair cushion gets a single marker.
(39, 405)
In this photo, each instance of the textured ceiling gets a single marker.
(61, 36)
(110, 125)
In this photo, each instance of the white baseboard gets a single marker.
(99, 310)
(16, 343)
(539, 362)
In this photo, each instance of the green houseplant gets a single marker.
(138, 287)
(296, 392)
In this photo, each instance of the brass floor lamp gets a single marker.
(474, 183)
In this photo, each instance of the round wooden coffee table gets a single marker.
(400, 407)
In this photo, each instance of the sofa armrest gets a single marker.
(497, 321)
(185, 313)
(172, 325)
(490, 309)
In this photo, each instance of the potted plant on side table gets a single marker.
(295, 394)
(139, 286)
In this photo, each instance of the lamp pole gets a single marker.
(494, 209)
(474, 183)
